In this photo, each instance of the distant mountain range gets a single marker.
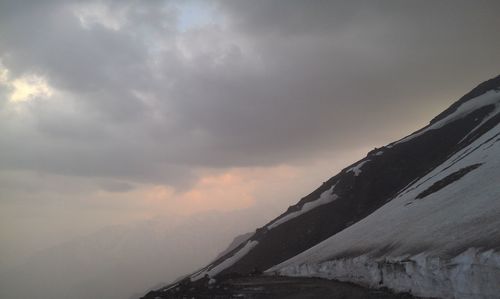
(419, 215)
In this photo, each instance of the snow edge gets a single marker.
(474, 273)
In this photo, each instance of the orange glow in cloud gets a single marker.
(224, 192)
(233, 189)
(270, 189)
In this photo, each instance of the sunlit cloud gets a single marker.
(29, 87)
(26, 87)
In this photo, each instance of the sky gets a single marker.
(119, 111)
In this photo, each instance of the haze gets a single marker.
(137, 138)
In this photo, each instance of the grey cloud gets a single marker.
(114, 186)
(281, 82)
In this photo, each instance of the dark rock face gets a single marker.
(447, 180)
(384, 173)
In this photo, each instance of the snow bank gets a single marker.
(471, 275)
(226, 263)
(324, 198)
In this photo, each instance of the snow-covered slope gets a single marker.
(438, 238)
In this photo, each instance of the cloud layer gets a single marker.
(262, 83)
(127, 97)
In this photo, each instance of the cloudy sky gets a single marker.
(117, 111)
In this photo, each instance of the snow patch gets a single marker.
(227, 262)
(235, 243)
(357, 168)
(324, 198)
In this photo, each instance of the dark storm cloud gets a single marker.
(273, 82)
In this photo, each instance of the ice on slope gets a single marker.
(324, 198)
(489, 98)
(431, 244)
(226, 263)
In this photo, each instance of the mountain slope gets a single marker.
(368, 184)
(438, 238)
(383, 204)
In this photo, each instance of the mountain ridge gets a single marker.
(368, 185)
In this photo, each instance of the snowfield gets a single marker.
(440, 236)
